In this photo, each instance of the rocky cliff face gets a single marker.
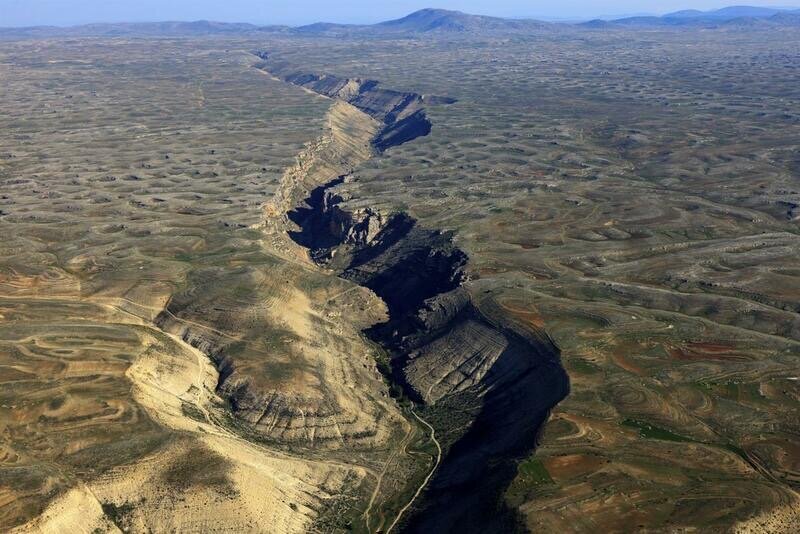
(455, 353)
(402, 113)
(485, 382)
(288, 358)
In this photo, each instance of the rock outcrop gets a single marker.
(486, 381)
(454, 352)
(401, 113)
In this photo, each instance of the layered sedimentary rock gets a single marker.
(286, 357)
(486, 381)
(110, 423)
(401, 113)
(452, 351)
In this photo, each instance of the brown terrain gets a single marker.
(481, 278)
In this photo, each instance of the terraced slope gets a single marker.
(283, 352)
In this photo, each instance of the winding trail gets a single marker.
(427, 478)
(376, 491)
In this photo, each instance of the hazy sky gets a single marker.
(67, 12)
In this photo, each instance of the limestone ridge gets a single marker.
(401, 113)
(451, 350)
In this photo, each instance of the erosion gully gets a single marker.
(484, 381)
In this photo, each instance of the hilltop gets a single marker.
(427, 21)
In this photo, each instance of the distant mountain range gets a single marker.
(726, 13)
(727, 16)
(424, 21)
(140, 29)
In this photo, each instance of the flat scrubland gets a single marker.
(633, 193)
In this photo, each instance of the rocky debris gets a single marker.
(323, 226)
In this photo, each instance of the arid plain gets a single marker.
(200, 235)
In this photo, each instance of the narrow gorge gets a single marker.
(484, 380)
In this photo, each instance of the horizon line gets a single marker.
(532, 17)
